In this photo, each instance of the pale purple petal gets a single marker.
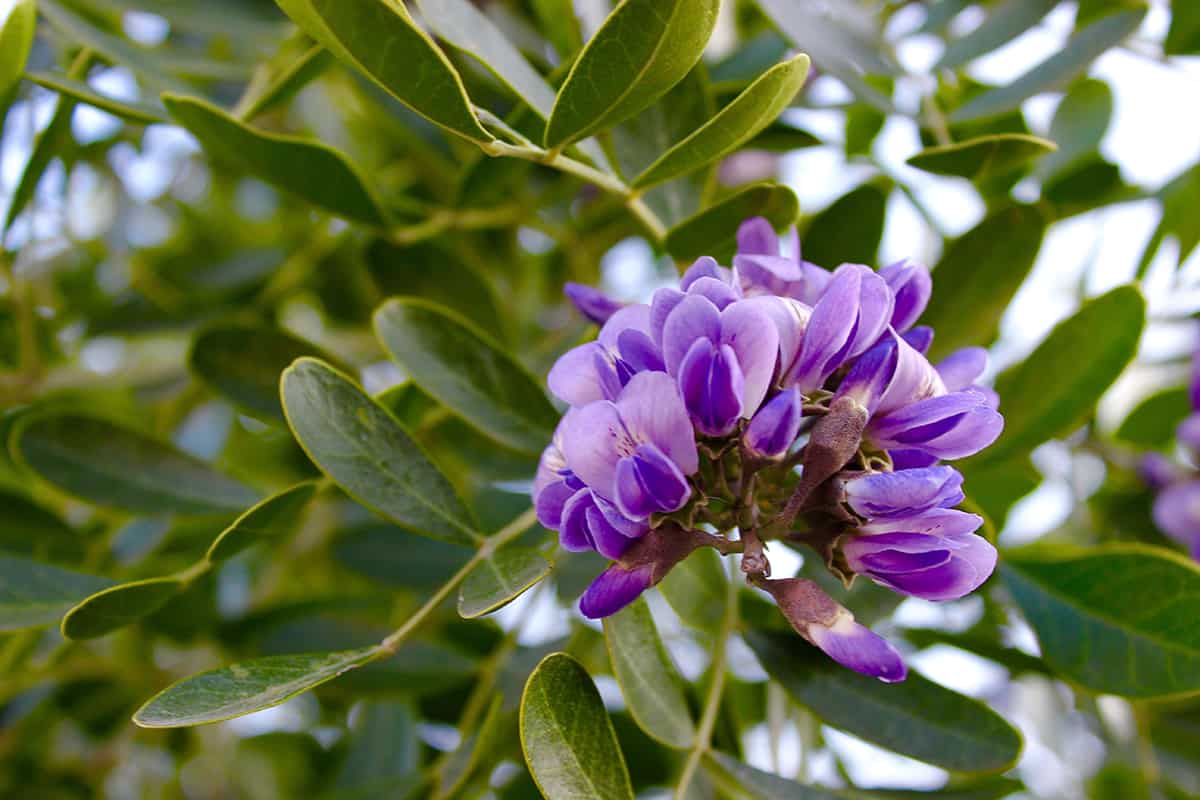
(549, 503)
(1188, 433)
(591, 302)
(857, 647)
(612, 590)
(1177, 512)
(751, 333)
(594, 439)
(790, 318)
(768, 274)
(934, 522)
(662, 304)
(712, 385)
(653, 412)
(756, 236)
(719, 293)
(963, 367)
(695, 317)
(574, 535)
(630, 528)
(776, 425)
(705, 267)
(639, 352)
(914, 379)
(955, 425)
(910, 491)
(911, 285)
(829, 328)
(574, 379)
(636, 317)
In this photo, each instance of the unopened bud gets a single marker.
(775, 425)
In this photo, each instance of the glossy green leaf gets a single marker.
(1056, 71)
(1078, 126)
(649, 681)
(696, 590)
(978, 276)
(1005, 22)
(1152, 423)
(28, 529)
(570, 746)
(713, 231)
(848, 230)
(118, 606)
(244, 688)
(362, 447)
(16, 42)
(112, 466)
(758, 785)
(1117, 619)
(33, 595)
(916, 717)
(276, 81)
(380, 38)
(643, 49)
(982, 157)
(1178, 200)
(314, 171)
(734, 125)
(273, 517)
(1052, 391)
(467, 372)
(141, 113)
(243, 363)
(500, 579)
(464, 26)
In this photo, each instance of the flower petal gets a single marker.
(963, 367)
(857, 647)
(591, 302)
(756, 235)
(752, 334)
(904, 492)
(649, 482)
(695, 317)
(573, 378)
(1177, 512)
(612, 590)
(653, 411)
(594, 439)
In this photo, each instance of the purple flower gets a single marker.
(1158, 471)
(590, 522)
(775, 426)
(554, 484)
(890, 376)
(911, 285)
(919, 338)
(934, 555)
(904, 492)
(1177, 513)
(592, 303)
(1188, 433)
(953, 425)
(766, 265)
(962, 368)
(635, 452)
(613, 589)
(598, 370)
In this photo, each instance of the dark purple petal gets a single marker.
(712, 385)
(888, 561)
(549, 504)
(653, 412)
(776, 425)
(608, 541)
(756, 236)
(963, 367)
(638, 351)
(857, 647)
(944, 562)
(1177, 512)
(910, 491)
(632, 317)
(575, 535)
(955, 425)
(649, 482)
(1158, 471)
(591, 302)
(1194, 385)
(829, 328)
(612, 590)
(695, 317)
(911, 459)
(911, 285)
(871, 374)
(627, 527)
(919, 338)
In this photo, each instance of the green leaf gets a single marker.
(141, 113)
(713, 231)
(306, 167)
(500, 579)
(297, 64)
(28, 529)
(112, 466)
(16, 42)
(1058, 70)
(33, 595)
(696, 590)
(1152, 423)
(758, 785)
(361, 446)
(118, 606)
(273, 517)
(1116, 619)
(466, 372)
(737, 123)
(463, 25)
(380, 38)
(568, 739)
(978, 276)
(1183, 37)
(1178, 198)
(649, 681)
(643, 49)
(243, 363)
(244, 688)
(996, 487)
(849, 230)
(1079, 123)
(1051, 392)
(1004, 23)
(982, 157)
(916, 718)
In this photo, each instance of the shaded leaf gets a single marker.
(27, 529)
(649, 680)
(314, 171)
(759, 785)
(499, 579)
(16, 42)
(848, 230)
(1079, 123)
(1152, 423)
(244, 688)
(1183, 37)
(734, 125)
(270, 518)
(643, 49)
(714, 230)
(141, 113)
(109, 465)
(696, 590)
(916, 718)
(1004, 22)
(33, 595)
(465, 371)
(118, 606)
(297, 64)
(982, 157)
(568, 739)
(362, 447)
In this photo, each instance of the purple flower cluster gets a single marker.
(1177, 507)
(784, 401)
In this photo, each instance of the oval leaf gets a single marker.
(1152, 423)
(244, 688)
(849, 229)
(696, 590)
(118, 606)
(982, 157)
(1079, 124)
(713, 232)
(916, 718)
(734, 125)
(112, 466)
(568, 739)
(465, 371)
(357, 443)
(1004, 22)
(648, 678)
(33, 595)
(1093, 628)
(380, 39)
(500, 579)
(306, 167)
(16, 41)
(1051, 392)
(643, 49)
(272, 517)
(243, 363)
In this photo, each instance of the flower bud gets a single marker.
(912, 286)
(904, 492)
(591, 302)
(643, 565)
(1177, 513)
(775, 426)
